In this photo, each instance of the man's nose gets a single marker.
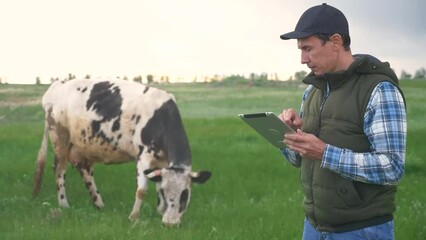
(304, 59)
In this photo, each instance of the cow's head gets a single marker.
(174, 190)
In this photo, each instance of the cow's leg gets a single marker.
(85, 168)
(60, 140)
(143, 163)
(60, 168)
(86, 171)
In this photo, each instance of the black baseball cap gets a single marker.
(321, 19)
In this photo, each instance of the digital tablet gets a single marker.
(269, 126)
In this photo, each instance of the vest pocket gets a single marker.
(347, 191)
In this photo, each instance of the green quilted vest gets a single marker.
(333, 203)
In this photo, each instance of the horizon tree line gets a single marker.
(419, 74)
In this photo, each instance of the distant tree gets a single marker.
(235, 80)
(263, 76)
(125, 78)
(138, 79)
(300, 75)
(405, 75)
(420, 74)
(165, 79)
(87, 76)
(216, 77)
(0, 81)
(38, 81)
(71, 76)
(275, 77)
(149, 78)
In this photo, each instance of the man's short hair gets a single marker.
(345, 37)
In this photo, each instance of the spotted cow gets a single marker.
(102, 121)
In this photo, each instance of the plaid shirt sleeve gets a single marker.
(385, 126)
(293, 157)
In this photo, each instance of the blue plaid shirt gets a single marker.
(385, 125)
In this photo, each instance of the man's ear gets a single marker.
(200, 177)
(337, 41)
(153, 174)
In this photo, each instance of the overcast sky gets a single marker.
(51, 38)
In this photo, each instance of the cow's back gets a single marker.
(104, 118)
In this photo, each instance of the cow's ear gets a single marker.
(153, 174)
(201, 176)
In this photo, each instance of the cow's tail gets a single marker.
(41, 160)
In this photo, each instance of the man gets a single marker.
(351, 133)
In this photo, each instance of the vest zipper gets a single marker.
(326, 94)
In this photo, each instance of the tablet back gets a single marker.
(268, 125)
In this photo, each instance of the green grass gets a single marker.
(253, 194)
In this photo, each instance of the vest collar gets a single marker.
(334, 79)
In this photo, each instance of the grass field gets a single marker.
(253, 194)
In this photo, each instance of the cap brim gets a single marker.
(295, 35)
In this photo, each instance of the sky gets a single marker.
(185, 38)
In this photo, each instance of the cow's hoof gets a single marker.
(64, 205)
(99, 206)
(134, 216)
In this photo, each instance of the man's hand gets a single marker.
(307, 145)
(291, 118)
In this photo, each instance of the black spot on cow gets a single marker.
(116, 125)
(83, 166)
(105, 100)
(177, 169)
(140, 150)
(165, 131)
(138, 118)
(83, 135)
(96, 126)
(183, 201)
(82, 90)
(146, 89)
(164, 199)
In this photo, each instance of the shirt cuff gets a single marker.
(293, 157)
(331, 157)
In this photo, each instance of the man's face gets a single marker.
(320, 58)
